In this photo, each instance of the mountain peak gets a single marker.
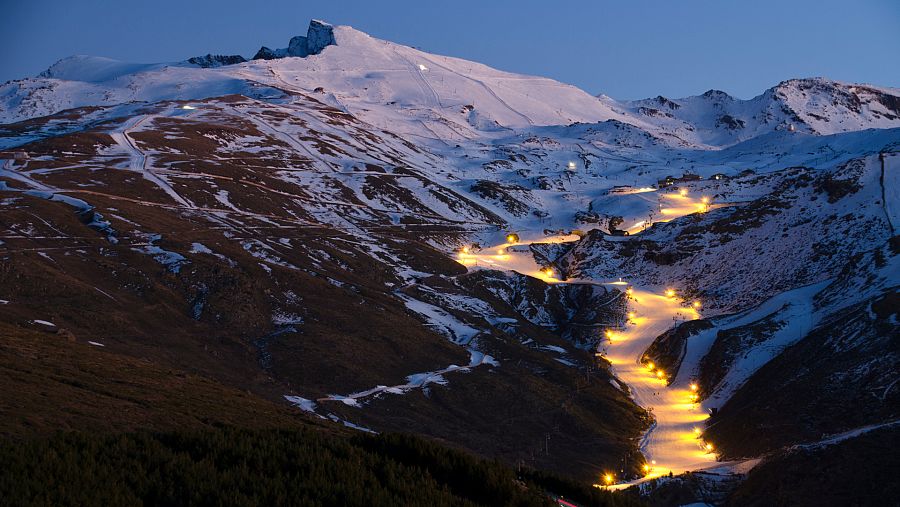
(92, 68)
(318, 36)
(717, 95)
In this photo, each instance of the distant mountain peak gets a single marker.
(718, 95)
(664, 101)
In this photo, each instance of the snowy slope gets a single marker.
(450, 99)
(381, 81)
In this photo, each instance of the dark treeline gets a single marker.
(238, 467)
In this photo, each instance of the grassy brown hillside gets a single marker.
(216, 247)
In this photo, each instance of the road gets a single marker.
(514, 256)
(672, 444)
(138, 160)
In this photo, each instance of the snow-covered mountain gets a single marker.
(388, 84)
(817, 106)
(290, 226)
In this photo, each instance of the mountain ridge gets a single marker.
(455, 97)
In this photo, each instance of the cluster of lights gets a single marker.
(659, 372)
(704, 204)
(671, 294)
(608, 478)
(695, 395)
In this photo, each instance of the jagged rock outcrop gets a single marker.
(265, 53)
(211, 60)
(319, 35)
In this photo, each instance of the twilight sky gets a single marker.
(625, 49)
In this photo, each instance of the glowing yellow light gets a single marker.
(696, 430)
(548, 271)
(465, 249)
(670, 293)
(651, 366)
(608, 478)
(709, 447)
(694, 387)
(500, 251)
(660, 374)
(512, 238)
(705, 200)
(652, 461)
(696, 304)
(629, 291)
(631, 315)
(647, 468)
(683, 192)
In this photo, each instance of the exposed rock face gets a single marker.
(730, 122)
(297, 46)
(211, 60)
(265, 53)
(718, 96)
(663, 101)
(319, 35)
(826, 96)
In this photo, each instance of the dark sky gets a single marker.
(625, 49)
